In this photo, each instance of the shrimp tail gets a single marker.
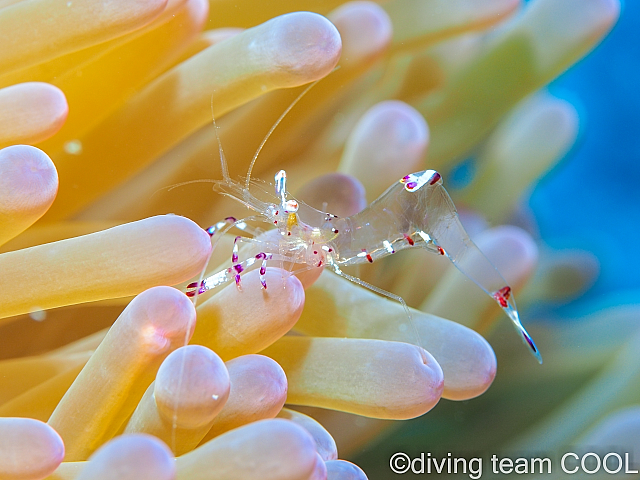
(449, 234)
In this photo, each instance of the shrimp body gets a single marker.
(414, 212)
(301, 235)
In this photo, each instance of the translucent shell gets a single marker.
(418, 212)
(415, 212)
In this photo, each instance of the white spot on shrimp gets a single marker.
(425, 236)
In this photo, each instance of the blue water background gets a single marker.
(591, 200)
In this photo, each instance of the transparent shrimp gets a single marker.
(415, 212)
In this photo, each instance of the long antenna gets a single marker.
(223, 160)
(284, 114)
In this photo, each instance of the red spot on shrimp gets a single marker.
(502, 295)
(412, 185)
(409, 239)
(435, 178)
(368, 256)
(441, 250)
(506, 292)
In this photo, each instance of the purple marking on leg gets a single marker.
(238, 279)
(234, 254)
(530, 342)
(214, 228)
(192, 289)
(263, 268)
(238, 268)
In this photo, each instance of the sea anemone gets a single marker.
(121, 96)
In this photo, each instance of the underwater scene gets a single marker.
(284, 240)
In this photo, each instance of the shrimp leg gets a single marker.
(384, 293)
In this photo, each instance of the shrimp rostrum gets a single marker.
(416, 212)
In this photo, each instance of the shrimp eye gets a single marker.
(291, 206)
